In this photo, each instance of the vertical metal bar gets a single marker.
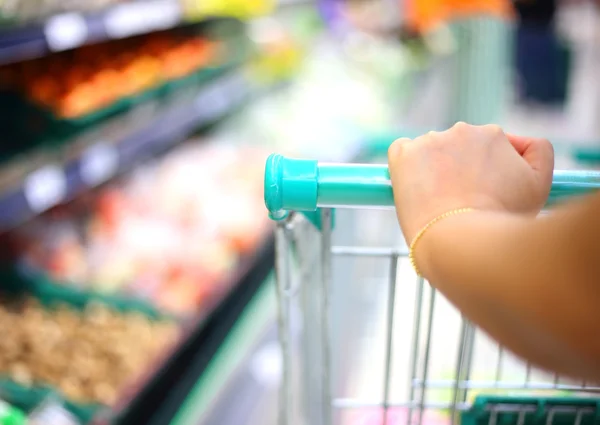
(579, 417)
(309, 261)
(468, 360)
(389, 335)
(458, 373)
(463, 367)
(499, 365)
(469, 363)
(415, 346)
(527, 375)
(550, 417)
(426, 356)
(493, 417)
(282, 277)
(326, 339)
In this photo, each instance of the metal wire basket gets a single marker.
(367, 342)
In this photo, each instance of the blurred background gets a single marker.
(136, 253)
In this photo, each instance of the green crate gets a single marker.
(507, 410)
(50, 293)
(27, 399)
(186, 81)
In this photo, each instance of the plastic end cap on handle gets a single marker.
(290, 184)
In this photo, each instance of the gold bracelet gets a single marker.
(411, 251)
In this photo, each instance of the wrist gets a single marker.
(427, 228)
(442, 244)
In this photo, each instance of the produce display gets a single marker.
(170, 233)
(76, 83)
(87, 355)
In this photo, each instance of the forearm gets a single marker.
(530, 283)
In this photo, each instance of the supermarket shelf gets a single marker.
(184, 374)
(70, 30)
(109, 154)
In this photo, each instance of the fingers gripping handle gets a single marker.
(305, 185)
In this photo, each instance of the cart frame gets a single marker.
(303, 265)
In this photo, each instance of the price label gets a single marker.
(205, 113)
(65, 31)
(220, 102)
(267, 365)
(211, 103)
(45, 188)
(126, 20)
(51, 413)
(98, 164)
(239, 87)
(235, 84)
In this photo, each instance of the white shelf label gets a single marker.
(130, 19)
(51, 413)
(98, 164)
(65, 31)
(212, 102)
(45, 188)
(266, 366)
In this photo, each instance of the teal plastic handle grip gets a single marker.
(305, 185)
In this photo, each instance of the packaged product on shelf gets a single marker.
(171, 233)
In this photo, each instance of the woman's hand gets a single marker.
(531, 284)
(467, 166)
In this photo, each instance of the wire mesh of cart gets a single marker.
(364, 340)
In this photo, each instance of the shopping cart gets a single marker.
(417, 361)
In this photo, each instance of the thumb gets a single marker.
(538, 153)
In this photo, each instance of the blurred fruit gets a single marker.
(76, 83)
(171, 233)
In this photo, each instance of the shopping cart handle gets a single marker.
(305, 185)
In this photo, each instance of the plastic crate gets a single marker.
(495, 410)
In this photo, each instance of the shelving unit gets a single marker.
(190, 379)
(99, 160)
(73, 29)
(42, 177)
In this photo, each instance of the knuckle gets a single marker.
(494, 129)
(431, 135)
(427, 137)
(397, 148)
(461, 127)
